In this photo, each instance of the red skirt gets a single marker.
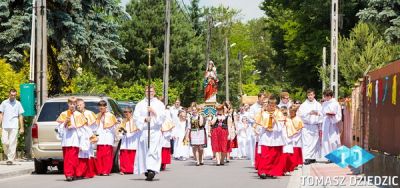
(298, 156)
(166, 156)
(127, 160)
(271, 161)
(71, 162)
(219, 139)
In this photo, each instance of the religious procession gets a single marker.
(199, 93)
(276, 135)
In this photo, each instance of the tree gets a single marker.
(11, 79)
(80, 34)
(299, 30)
(363, 48)
(147, 26)
(386, 14)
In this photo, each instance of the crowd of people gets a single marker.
(276, 137)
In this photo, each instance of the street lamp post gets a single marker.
(227, 67)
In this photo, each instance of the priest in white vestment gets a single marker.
(148, 159)
(311, 115)
(332, 114)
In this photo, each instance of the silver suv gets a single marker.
(46, 146)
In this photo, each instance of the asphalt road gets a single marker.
(237, 173)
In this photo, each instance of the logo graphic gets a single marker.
(344, 156)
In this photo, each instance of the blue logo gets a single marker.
(344, 156)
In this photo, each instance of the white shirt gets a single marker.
(129, 141)
(306, 108)
(11, 112)
(69, 136)
(106, 136)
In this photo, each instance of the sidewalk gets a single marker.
(325, 170)
(19, 168)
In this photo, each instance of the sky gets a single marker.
(249, 8)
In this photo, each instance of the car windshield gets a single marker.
(51, 110)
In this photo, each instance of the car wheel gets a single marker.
(40, 166)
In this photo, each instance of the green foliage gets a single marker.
(299, 30)
(186, 58)
(90, 84)
(80, 33)
(363, 48)
(10, 79)
(386, 14)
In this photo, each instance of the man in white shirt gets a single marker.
(10, 119)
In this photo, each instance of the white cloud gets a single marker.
(249, 8)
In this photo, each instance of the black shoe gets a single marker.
(313, 161)
(150, 175)
(218, 165)
(227, 161)
(263, 176)
(222, 164)
(307, 162)
(146, 174)
(201, 164)
(69, 178)
(197, 164)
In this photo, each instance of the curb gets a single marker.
(15, 173)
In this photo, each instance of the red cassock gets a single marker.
(271, 161)
(127, 160)
(71, 162)
(298, 155)
(165, 157)
(104, 159)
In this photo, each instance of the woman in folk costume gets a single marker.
(129, 140)
(271, 140)
(196, 134)
(210, 83)
(107, 124)
(69, 121)
(181, 149)
(166, 130)
(87, 165)
(219, 134)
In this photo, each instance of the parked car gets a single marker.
(129, 104)
(46, 146)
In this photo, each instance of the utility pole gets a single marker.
(240, 73)
(166, 47)
(334, 47)
(41, 55)
(209, 21)
(226, 69)
(33, 40)
(323, 67)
